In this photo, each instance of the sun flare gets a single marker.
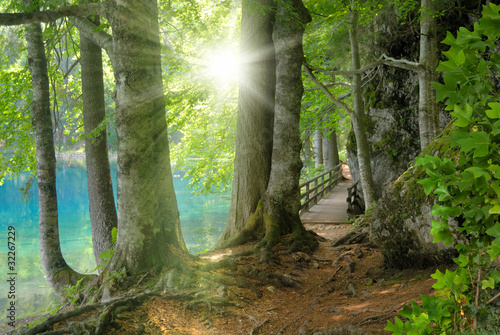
(224, 66)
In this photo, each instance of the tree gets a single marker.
(318, 148)
(330, 150)
(254, 132)
(58, 273)
(147, 209)
(101, 199)
(428, 113)
(277, 212)
(358, 115)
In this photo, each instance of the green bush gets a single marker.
(467, 189)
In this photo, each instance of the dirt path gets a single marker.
(340, 286)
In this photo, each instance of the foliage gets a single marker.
(108, 254)
(72, 292)
(16, 133)
(201, 103)
(467, 189)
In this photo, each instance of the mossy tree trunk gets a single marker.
(103, 216)
(278, 211)
(58, 273)
(428, 113)
(358, 116)
(254, 133)
(148, 218)
(330, 150)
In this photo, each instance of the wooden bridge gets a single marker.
(325, 198)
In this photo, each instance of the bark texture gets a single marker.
(330, 151)
(58, 273)
(281, 202)
(318, 148)
(148, 218)
(254, 133)
(428, 113)
(358, 117)
(101, 199)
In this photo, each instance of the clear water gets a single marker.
(202, 222)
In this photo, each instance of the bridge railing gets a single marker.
(355, 202)
(316, 188)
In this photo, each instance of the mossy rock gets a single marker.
(400, 225)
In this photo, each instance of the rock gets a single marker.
(358, 252)
(271, 289)
(334, 309)
(400, 225)
(351, 290)
(222, 291)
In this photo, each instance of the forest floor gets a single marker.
(336, 286)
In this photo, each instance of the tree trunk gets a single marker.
(278, 211)
(281, 202)
(101, 200)
(330, 151)
(428, 113)
(307, 146)
(358, 117)
(148, 218)
(254, 133)
(58, 273)
(318, 148)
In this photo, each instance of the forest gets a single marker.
(250, 98)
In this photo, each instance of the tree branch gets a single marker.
(13, 19)
(100, 38)
(401, 63)
(349, 72)
(383, 60)
(322, 87)
(327, 85)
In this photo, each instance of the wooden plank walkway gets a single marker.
(332, 209)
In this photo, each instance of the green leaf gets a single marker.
(463, 116)
(494, 250)
(478, 141)
(396, 327)
(488, 283)
(428, 184)
(478, 172)
(459, 58)
(441, 232)
(494, 231)
(442, 210)
(494, 112)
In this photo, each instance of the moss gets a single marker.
(405, 201)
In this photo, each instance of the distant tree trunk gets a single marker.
(101, 200)
(330, 151)
(358, 117)
(318, 148)
(254, 133)
(148, 218)
(428, 113)
(58, 273)
(278, 211)
(307, 146)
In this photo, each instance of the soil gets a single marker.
(336, 286)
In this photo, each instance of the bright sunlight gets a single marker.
(223, 66)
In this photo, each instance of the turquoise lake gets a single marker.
(202, 221)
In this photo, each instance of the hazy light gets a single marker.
(224, 66)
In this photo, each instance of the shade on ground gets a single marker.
(332, 209)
